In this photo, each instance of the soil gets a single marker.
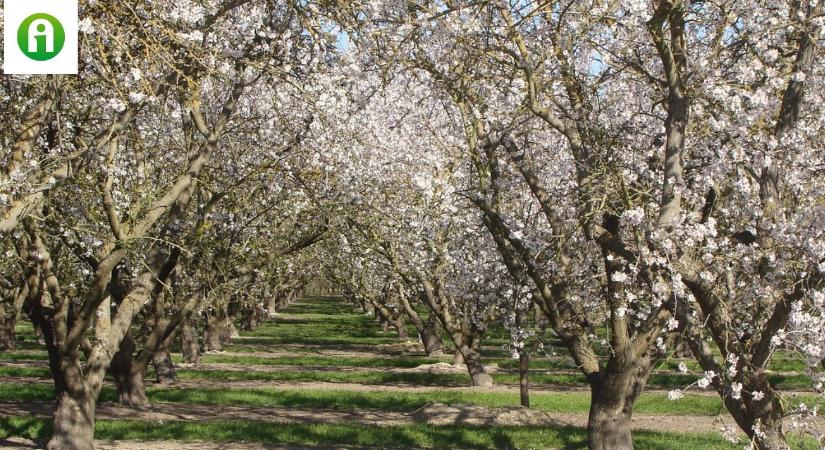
(20, 443)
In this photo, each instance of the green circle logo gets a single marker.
(41, 37)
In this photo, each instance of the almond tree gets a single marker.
(163, 121)
(585, 113)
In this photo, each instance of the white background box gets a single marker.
(14, 12)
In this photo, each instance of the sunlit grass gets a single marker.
(415, 436)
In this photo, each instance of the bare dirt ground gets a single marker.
(20, 444)
(167, 412)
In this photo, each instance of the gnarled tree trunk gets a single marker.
(251, 316)
(164, 368)
(128, 376)
(608, 424)
(189, 342)
(218, 331)
(431, 338)
(74, 423)
(472, 359)
(400, 327)
(614, 391)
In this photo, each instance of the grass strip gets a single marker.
(416, 436)
(558, 402)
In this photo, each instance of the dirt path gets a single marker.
(167, 412)
(21, 444)
(434, 413)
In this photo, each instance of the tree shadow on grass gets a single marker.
(37, 430)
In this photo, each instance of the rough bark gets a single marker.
(472, 359)
(189, 343)
(131, 391)
(400, 327)
(231, 330)
(8, 320)
(431, 338)
(271, 306)
(212, 341)
(608, 426)
(767, 413)
(73, 423)
(128, 375)
(611, 405)
(428, 331)
(164, 368)
(745, 411)
(251, 318)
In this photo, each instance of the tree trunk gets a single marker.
(611, 408)
(524, 385)
(271, 306)
(401, 328)
(608, 427)
(251, 318)
(431, 339)
(772, 438)
(164, 368)
(458, 358)
(745, 411)
(41, 340)
(428, 331)
(218, 331)
(212, 341)
(231, 330)
(472, 359)
(74, 423)
(130, 388)
(189, 343)
(128, 376)
(8, 337)
(767, 412)
(10, 313)
(367, 307)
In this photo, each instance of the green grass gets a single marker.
(567, 402)
(560, 402)
(664, 380)
(667, 381)
(36, 372)
(321, 361)
(418, 436)
(28, 356)
(326, 322)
